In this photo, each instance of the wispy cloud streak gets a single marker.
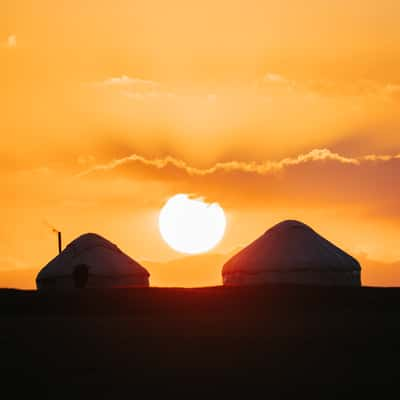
(239, 166)
(124, 81)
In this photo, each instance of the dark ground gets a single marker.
(108, 343)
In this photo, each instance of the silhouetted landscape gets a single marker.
(105, 342)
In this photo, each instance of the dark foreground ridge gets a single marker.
(105, 343)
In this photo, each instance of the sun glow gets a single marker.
(191, 226)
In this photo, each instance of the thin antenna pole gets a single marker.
(59, 242)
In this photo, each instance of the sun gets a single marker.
(191, 226)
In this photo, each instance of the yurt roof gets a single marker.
(290, 245)
(99, 254)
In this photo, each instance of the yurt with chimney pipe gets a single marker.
(292, 253)
(91, 261)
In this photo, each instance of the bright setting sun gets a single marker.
(191, 226)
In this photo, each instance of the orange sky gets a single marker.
(274, 109)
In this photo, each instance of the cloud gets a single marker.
(362, 87)
(10, 43)
(320, 179)
(133, 88)
(142, 90)
(376, 157)
(125, 80)
(127, 85)
(271, 77)
(241, 166)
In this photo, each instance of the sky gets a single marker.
(273, 109)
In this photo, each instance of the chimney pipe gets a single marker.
(59, 242)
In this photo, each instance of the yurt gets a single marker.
(91, 261)
(292, 252)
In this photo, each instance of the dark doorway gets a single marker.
(81, 275)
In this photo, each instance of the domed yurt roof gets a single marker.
(292, 252)
(106, 265)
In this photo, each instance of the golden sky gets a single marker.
(275, 109)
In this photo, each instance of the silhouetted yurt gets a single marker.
(292, 252)
(91, 261)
